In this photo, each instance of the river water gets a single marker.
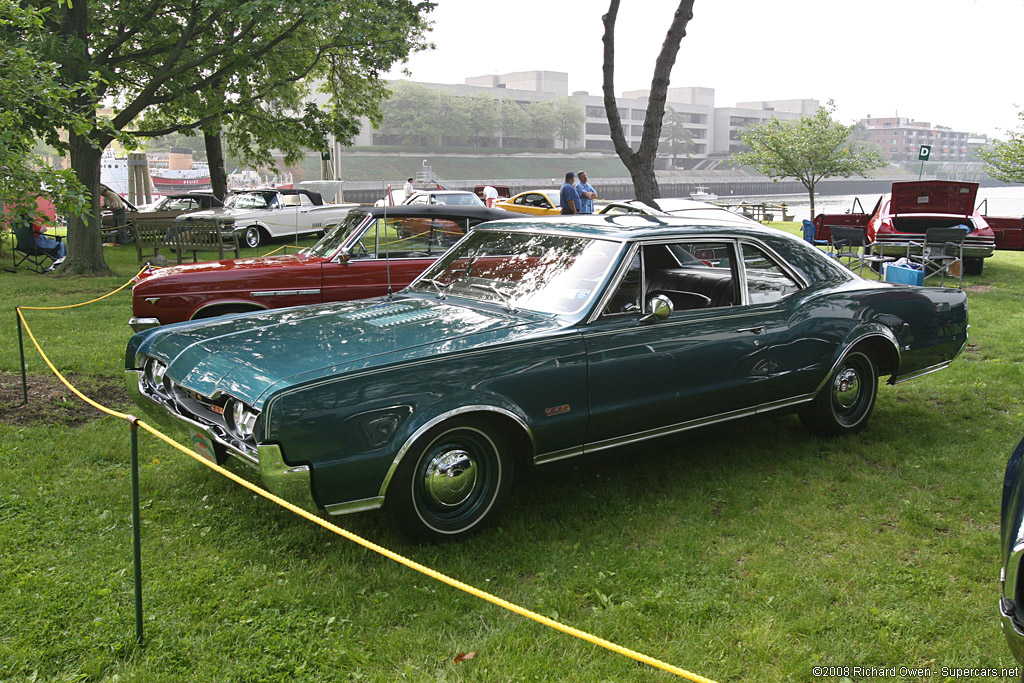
(1002, 201)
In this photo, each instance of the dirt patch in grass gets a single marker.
(978, 289)
(50, 402)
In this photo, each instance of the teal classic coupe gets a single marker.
(535, 341)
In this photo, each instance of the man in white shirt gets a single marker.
(490, 195)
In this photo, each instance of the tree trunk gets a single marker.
(215, 157)
(85, 243)
(645, 183)
(641, 162)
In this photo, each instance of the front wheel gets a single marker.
(452, 481)
(973, 265)
(845, 403)
(252, 237)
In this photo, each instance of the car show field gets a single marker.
(748, 550)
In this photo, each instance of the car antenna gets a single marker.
(387, 252)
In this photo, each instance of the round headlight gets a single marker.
(242, 419)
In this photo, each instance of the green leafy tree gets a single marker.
(515, 120)
(206, 65)
(569, 120)
(809, 148)
(33, 106)
(543, 121)
(483, 117)
(676, 134)
(1004, 159)
(412, 114)
(641, 162)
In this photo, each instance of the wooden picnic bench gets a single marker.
(182, 237)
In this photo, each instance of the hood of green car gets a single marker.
(249, 356)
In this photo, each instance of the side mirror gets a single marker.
(660, 307)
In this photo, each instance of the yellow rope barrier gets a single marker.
(355, 538)
(84, 303)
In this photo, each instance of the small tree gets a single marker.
(1005, 158)
(676, 134)
(569, 120)
(808, 149)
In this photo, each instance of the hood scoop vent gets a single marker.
(389, 315)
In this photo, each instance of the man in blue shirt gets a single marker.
(568, 197)
(587, 193)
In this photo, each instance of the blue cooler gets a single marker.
(904, 275)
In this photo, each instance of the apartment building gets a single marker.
(900, 140)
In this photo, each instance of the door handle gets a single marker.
(758, 329)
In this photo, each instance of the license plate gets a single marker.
(203, 445)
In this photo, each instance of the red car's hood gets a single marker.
(933, 196)
(232, 264)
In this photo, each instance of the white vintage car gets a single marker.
(261, 215)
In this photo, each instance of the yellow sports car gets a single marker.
(532, 202)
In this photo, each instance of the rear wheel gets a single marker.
(252, 237)
(453, 481)
(973, 265)
(845, 403)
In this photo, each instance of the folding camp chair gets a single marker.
(851, 248)
(942, 254)
(38, 259)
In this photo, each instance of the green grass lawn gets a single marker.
(750, 551)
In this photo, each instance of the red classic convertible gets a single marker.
(369, 250)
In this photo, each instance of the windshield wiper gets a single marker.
(442, 288)
(505, 298)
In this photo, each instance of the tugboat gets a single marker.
(182, 174)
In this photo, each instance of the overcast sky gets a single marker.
(955, 63)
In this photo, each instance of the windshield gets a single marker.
(251, 200)
(543, 273)
(334, 238)
(468, 199)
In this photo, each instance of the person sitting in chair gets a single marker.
(55, 248)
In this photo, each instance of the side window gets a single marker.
(766, 281)
(366, 246)
(627, 297)
(305, 201)
(692, 275)
(521, 199)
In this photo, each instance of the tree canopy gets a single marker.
(32, 107)
(245, 67)
(808, 148)
(416, 114)
(1005, 158)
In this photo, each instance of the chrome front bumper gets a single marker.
(140, 324)
(267, 469)
(1013, 630)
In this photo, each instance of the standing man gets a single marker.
(113, 203)
(568, 197)
(490, 195)
(587, 193)
(408, 189)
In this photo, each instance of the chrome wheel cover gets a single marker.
(450, 478)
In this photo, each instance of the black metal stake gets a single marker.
(136, 528)
(21, 349)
